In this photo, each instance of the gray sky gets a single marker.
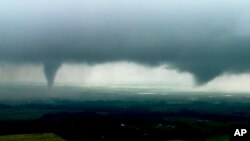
(206, 38)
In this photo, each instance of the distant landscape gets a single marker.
(98, 113)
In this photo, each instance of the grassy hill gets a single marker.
(31, 137)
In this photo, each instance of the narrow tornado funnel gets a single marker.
(50, 70)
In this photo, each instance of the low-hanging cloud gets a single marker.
(206, 38)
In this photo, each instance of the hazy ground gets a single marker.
(101, 113)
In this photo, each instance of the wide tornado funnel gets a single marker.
(50, 70)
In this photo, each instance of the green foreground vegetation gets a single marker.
(31, 137)
(53, 137)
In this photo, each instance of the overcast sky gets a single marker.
(174, 42)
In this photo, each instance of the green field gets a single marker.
(31, 137)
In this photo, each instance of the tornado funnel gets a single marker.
(50, 70)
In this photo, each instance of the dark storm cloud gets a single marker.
(205, 37)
